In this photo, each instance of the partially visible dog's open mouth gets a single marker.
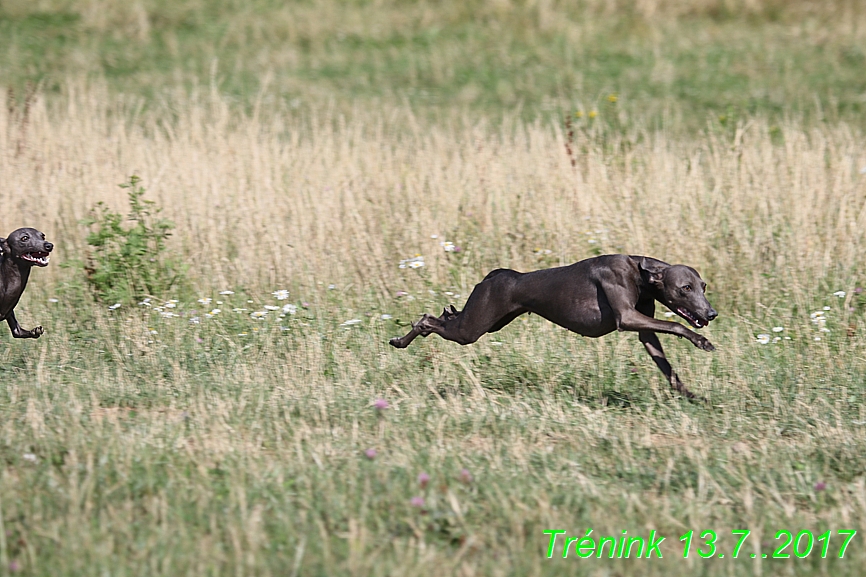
(692, 318)
(37, 258)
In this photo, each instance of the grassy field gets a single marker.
(164, 437)
(677, 63)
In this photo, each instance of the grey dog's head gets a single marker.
(27, 246)
(681, 289)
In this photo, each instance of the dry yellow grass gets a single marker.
(273, 198)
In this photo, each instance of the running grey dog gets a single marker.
(592, 298)
(19, 252)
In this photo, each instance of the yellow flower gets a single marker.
(612, 98)
(578, 114)
(593, 113)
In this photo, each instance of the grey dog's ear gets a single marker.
(652, 271)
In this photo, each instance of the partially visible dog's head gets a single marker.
(681, 289)
(27, 246)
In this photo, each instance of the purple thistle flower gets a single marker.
(380, 404)
(370, 454)
(423, 479)
(417, 501)
(401, 294)
(858, 290)
(820, 486)
(465, 476)
(14, 567)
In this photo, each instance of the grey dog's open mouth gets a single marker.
(37, 258)
(693, 319)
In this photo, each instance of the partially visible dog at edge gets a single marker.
(592, 298)
(19, 252)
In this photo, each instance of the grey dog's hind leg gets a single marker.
(426, 324)
(488, 309)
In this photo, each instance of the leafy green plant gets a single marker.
(129, 263)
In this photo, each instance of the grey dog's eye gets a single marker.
(25, 238)
(687, 288)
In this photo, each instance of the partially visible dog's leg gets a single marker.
(488, 309)
(20, 333)
(420, 329)
(654, 347)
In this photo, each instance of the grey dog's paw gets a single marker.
(397, 342)
(37, 332)
(704, 344)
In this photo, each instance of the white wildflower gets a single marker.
(114, 307)
(205, 300)
(239, 310)
(281, 294)
(289, 309)
(53, 300)
(840, 294)
(271, 308)
(764, 339)
(30, 457)
(195, 320)
(386, 317)
(258, 315)
(448, 246)
(416, 261)
(778, 329)
(331, 287)
(350, 322)
(227, 292)
(826, 308)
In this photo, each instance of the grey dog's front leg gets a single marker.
(20, 333)
(654, 347)
(632, 320)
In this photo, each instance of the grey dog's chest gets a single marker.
(10, 294)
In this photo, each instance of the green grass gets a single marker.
(671, 69)
(196, 450)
